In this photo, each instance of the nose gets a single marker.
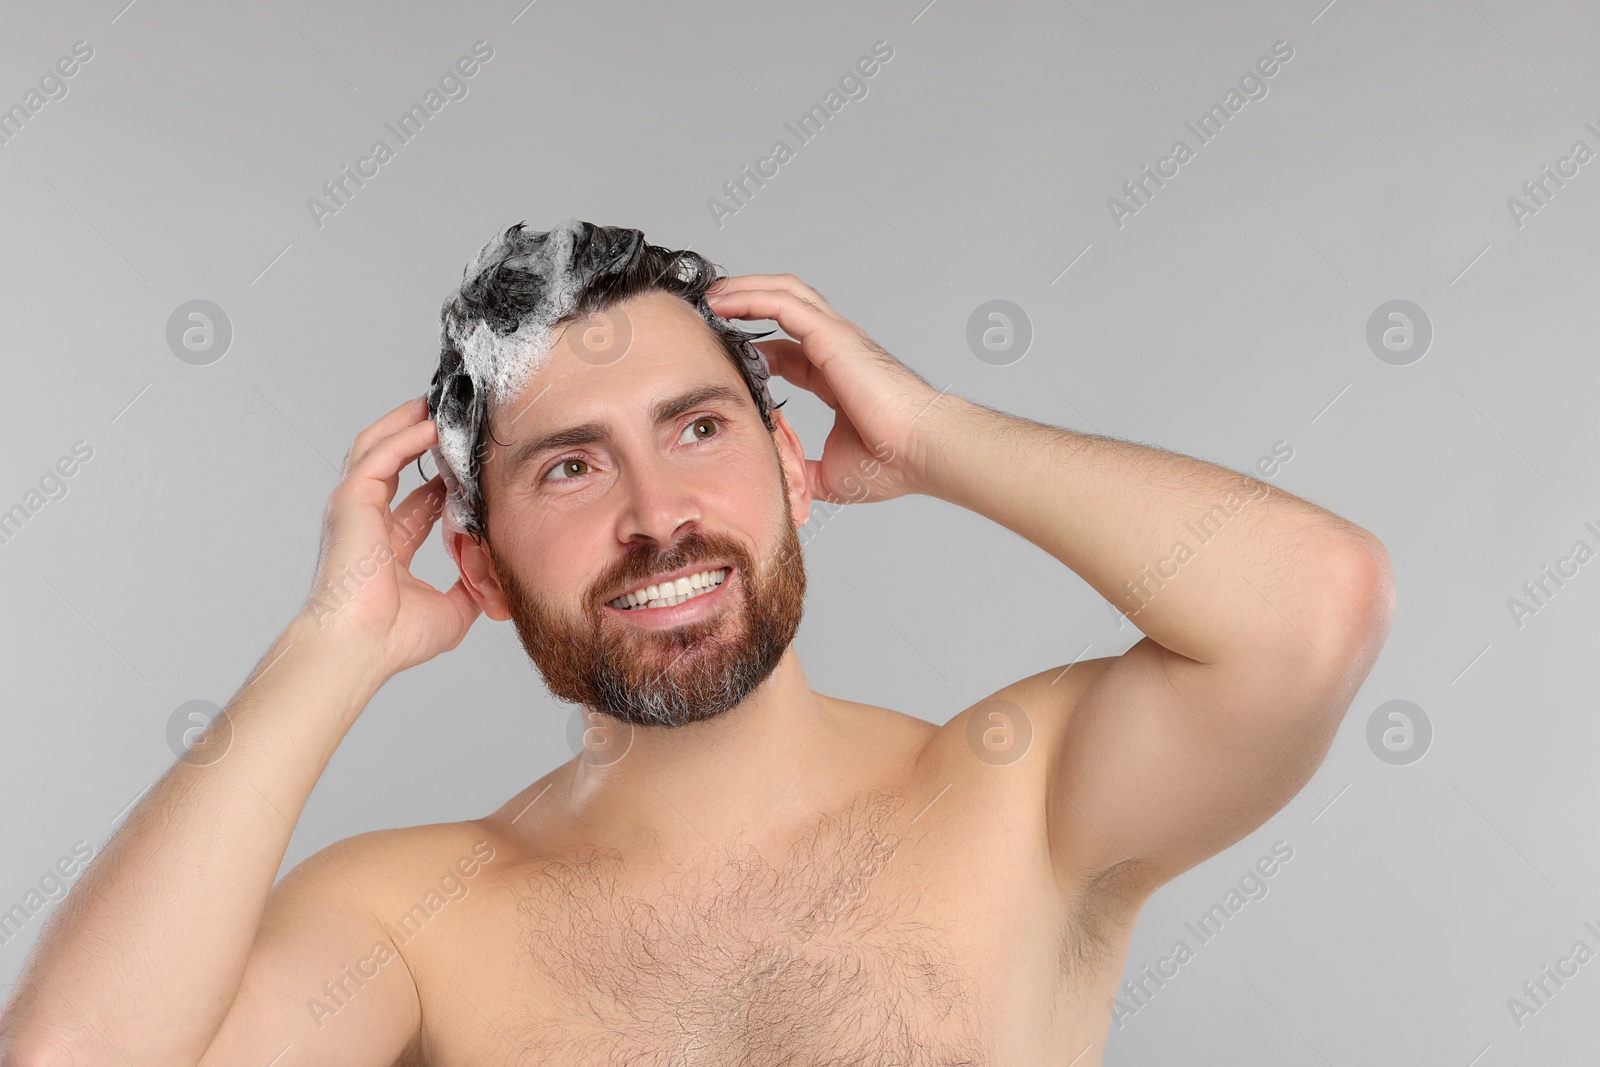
(661, 502)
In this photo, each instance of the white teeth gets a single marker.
(667, 594)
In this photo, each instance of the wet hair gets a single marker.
(524, 285)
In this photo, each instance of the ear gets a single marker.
(478, 574)
(792, 456)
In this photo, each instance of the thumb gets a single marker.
(415, 517)
(815, 483)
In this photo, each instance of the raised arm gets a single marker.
(147, 955)
(1263, 614)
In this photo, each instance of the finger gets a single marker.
(798, 316)
(415, 517)
(411, 411)
(779, 347)
(786, 282)
(468, 607)
(379, 470)
(398, 419)
(788, 361)
(814, 483)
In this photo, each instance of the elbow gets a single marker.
(1359, 602)
(1369, 579)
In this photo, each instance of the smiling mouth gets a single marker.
(670, 594)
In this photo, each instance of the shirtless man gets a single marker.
(736, 869)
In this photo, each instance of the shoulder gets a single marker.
(395, 867)
(1023, 723)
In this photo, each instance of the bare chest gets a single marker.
(873, 940)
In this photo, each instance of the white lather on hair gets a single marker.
(499, 366)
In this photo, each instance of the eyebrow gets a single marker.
(585, 433)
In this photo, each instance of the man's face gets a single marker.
(576, 525)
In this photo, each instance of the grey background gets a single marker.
(1227, 315)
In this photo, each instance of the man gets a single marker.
(736, 869)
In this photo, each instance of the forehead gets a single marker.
(666, 348)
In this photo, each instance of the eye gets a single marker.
(709, 419)
(561, 465)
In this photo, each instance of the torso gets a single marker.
(920, 924)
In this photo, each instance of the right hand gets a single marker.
(364, 591)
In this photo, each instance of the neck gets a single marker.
(766, 766)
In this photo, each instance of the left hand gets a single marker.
(883, 410)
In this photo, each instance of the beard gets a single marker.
(668, 677)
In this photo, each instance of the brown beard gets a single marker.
(671, 678)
